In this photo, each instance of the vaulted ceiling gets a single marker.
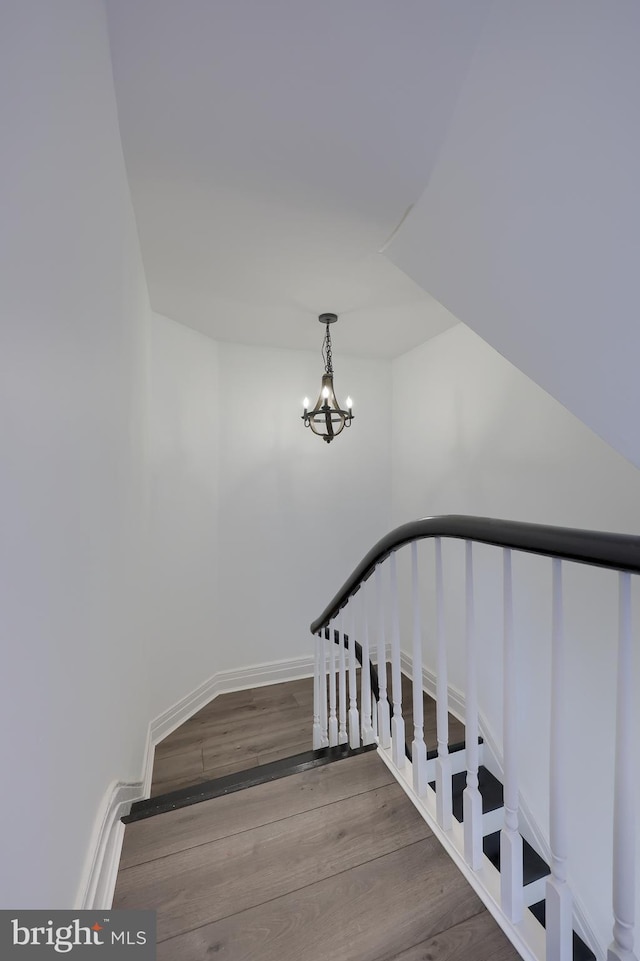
(273, 148)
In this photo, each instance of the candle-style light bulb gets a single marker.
(325, 393)
(305, 403)
(349, 403)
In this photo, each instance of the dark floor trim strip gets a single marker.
(231, 783)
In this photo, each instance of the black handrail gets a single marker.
(620, 552)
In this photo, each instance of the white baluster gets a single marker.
(333, 720)
(374, 716)
(374, 655)
(471, 799)
(342, 706)
(418, 747)
(624, 842)
(323, 690)
(558, 895)
(398, 754)
(317, 727)
(510, 838)
(365, 685)
(384, 723)
(354, 717)
(444, 812)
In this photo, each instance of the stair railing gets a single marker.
(350, 615)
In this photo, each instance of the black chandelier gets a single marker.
(327, 419)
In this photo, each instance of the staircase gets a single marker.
(256, 849)
(318, 856)
(270, 863)
(374, 620)
(535, 870)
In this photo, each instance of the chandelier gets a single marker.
(327, 419)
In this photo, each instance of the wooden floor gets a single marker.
(235, 732)
(334, 863)
(247, 728)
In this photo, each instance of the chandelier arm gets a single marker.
(328, 422)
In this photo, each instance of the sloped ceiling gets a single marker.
(272, 149)
(528, 229)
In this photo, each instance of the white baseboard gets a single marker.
(101, 870)
(101, 867)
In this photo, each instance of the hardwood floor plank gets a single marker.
(176, 784)
(242, 757)
(268, 693)
(220, 878)
(230, 764)
(186, 768)
(304, 699)
(191, 826)
(276, 740)
(292, 748)
(178, 765)
(238, 759)
(367, 913)
(243, 763)
(477, 939)
(231, 723)
(228, 742)
(240, 730)
(251, 714)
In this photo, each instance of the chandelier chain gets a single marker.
(326, 352)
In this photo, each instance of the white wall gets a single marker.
(527, 230)
(135, 454)
(296, 514)
(472, 435)
(72, 386)
(183, 511)
(253, 521)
